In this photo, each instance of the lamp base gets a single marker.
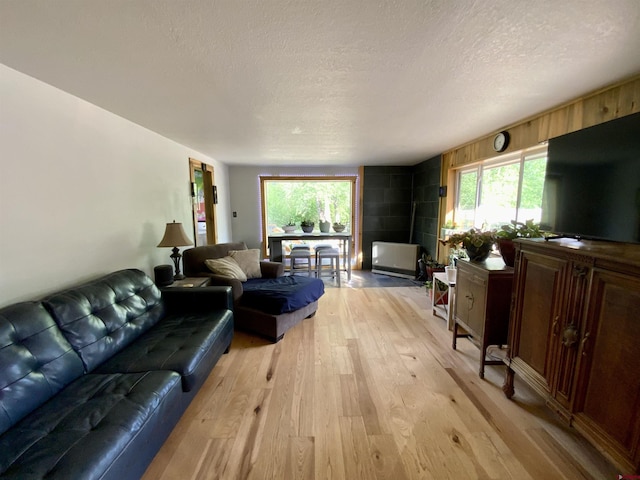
(175, 256)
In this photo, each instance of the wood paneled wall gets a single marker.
(606, 104)
(598, 107)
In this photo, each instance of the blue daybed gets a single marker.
(269, 305)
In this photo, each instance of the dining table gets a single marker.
(276, 252)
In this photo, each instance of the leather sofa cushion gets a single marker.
(83, 430)
(178, 343)
(36, 361)
(102, 317)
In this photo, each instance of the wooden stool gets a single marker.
(333, 255)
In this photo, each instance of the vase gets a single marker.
(478, 254)
(289, 228)
(508, 251)
(338, 228)
(325, 227)
(308, 229)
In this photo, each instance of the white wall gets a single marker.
(84, 192)
(244, 183)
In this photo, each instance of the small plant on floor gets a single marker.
(427, 265)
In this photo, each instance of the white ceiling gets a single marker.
(323, 82)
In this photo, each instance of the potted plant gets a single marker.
(307, 225)
(507, 233)
(325, 226)
(338, 227)
(477, 243)
(289, 227)
(428, 266)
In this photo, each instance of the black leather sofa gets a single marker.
(94, 378)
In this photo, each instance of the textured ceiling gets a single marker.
(323, 82)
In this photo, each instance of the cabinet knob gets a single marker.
(580, 270)
(470, 300)
(570, 336)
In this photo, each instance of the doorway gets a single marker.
(204, 200)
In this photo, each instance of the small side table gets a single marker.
(190, 282)
(483, 305)
(440, 307)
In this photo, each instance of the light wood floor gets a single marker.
(368, 389)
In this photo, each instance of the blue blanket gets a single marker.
(282, 294)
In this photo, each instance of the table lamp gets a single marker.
(175, 237)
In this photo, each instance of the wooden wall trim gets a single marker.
(597, 107)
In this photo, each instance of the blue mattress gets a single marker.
(282, 294)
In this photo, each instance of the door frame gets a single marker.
(210, 200)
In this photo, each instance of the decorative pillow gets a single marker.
(249, 261)
(227, 267)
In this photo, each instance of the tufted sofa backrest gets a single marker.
(102, 317)
(193, 258)
(36, 361)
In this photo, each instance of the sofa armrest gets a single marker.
(271, 269)
(197, 299)
(222, 281)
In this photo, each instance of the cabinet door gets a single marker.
(565, 344)
(471, 301)
(607, 404)
(536, 316)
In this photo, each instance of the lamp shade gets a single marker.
(174, 236)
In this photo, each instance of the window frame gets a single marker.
(519, 157)
(353, 220)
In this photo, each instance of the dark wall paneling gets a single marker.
(386, 207)
(388, 196)
(425, 193)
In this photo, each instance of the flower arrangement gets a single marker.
(477, 243)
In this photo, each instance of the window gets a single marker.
(293, 199)
(499, 190)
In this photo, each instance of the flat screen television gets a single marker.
(592, 182)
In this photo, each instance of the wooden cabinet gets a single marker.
(574, 336)
(483, 295)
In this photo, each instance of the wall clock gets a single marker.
(501, 141)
